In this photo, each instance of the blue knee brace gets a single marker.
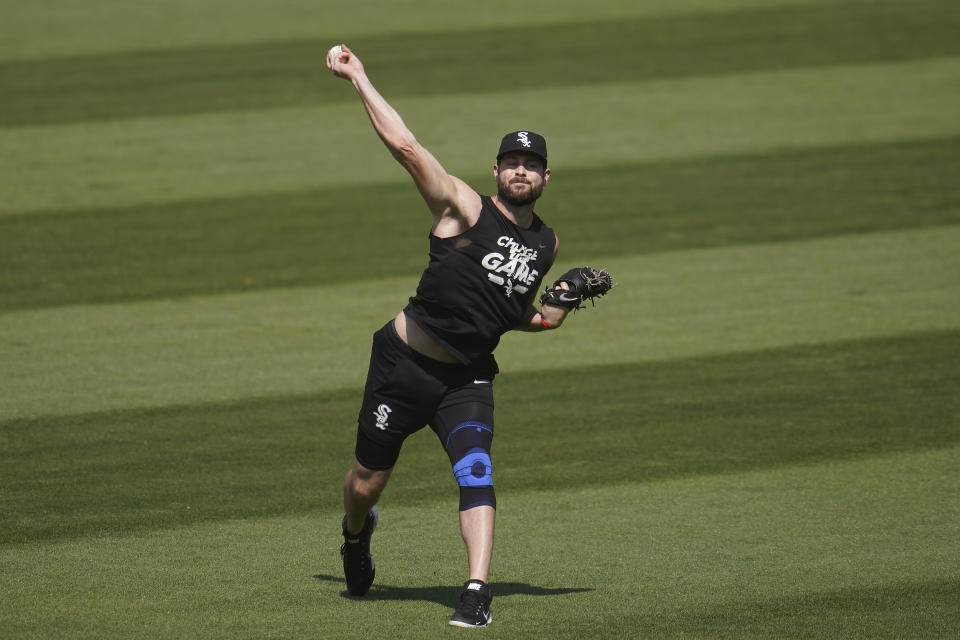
(474, 469)
(469, 449)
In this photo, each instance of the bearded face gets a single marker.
(520, 179)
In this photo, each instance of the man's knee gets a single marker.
(469, 450)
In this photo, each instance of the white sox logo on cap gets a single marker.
(526, 141)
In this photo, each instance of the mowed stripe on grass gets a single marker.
(314, 237)
(862, 549)
(126, 470)
(72, 30)
(284, 74)
(675, 304)
(148, 161)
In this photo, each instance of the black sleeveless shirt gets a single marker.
(479, 284)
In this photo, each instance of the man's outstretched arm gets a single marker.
(448, 198)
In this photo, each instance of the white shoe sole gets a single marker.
(467, 625)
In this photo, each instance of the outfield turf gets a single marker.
(757, 435)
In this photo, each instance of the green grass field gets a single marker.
(756, 435)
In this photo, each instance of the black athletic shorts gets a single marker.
(406, 391)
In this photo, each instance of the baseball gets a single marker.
(335, 51)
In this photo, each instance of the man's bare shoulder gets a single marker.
(462, 213)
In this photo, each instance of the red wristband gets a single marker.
(544, 322)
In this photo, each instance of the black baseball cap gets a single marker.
(525, 141)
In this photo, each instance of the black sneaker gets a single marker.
(474, 608)
(358, 567)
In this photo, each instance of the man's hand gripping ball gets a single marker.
(584, 283)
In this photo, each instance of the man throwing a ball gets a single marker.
(433, 363)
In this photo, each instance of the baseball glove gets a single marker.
(586, 283)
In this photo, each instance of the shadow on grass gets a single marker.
(449, 595)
